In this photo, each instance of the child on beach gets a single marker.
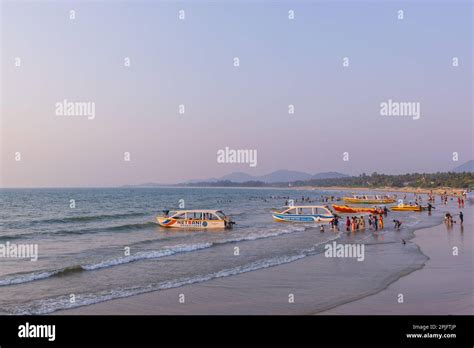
(398, 223)
(448, 219)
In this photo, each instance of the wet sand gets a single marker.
(445, 285)
(318, 283)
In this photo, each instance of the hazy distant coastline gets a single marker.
(423, 182)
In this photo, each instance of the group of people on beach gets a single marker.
(460, 202)
(375, 222)
(356, 223)
(448, 219)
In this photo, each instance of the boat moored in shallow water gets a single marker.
(353, 210)
(194, 219)
(304, 213)
(407, 207)
(370, 199)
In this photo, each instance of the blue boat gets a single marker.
(304, 213)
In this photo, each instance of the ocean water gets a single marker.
(82, 249)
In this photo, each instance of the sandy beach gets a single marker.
(441, 285)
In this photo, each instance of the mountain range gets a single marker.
(466, 167)
(283, 176)
(273, 177)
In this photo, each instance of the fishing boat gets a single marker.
(306, 213)
(353, 210)
(194, 219)
(370, 199)
(407, 207)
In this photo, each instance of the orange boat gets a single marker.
(352, 210)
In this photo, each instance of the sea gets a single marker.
(99, 244)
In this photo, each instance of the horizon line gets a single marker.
(184, 185)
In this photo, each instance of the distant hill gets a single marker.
(466, 167)
(282, 176)
(201, 180)
(237, 177)
(329, 175)
(271, 178)
(148, 184)
(462, 179)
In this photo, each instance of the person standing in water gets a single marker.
(381, 222)
(362, 223)
(461, 217)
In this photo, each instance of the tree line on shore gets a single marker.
(374, 180)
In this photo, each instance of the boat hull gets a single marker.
(352, 210)
(368, 201)
(405, 208)
(190, 224)
(302, 218)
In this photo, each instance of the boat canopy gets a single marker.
(204, 214)
(306, 210)
(372, 196)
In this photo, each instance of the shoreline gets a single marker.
(449, 190)
(224, 296)
(433, 289)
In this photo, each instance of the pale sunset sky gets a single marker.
(190, 62)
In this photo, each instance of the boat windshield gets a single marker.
(194, 215)
(179, 216)
(220, 215)
(305, 211)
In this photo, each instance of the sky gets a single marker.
(190, 62)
